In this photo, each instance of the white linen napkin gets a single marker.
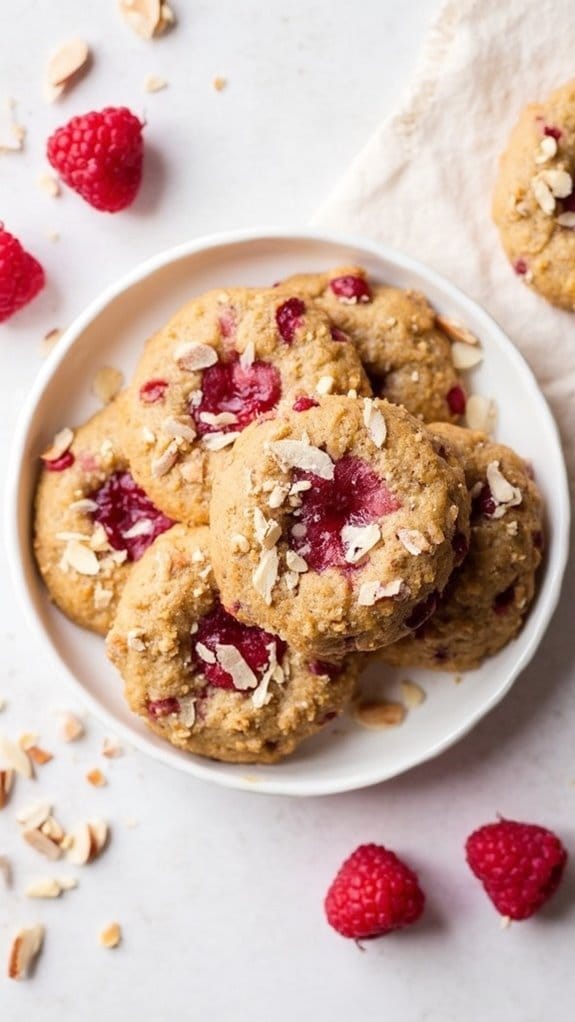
(423, 182)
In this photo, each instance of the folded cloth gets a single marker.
(423, 182)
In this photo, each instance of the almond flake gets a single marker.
(217, 441)
(456, 331)
(501, 489)
(358, 540)
(100, 833)
(6, 782)
(70, 58)
(543, 195)
(52, 829)
(60, 444)
(152, 83)
(96, 778)
(39, 756)
(325, 385)
(464, 356)
(102, 597)
(33, 816)
(295, 562)
(414, 541)
(135, 641)
(302, 455)
(162, 465)
(278, 496)
(267, 531)
(179, 429)
(261, 696)
(50, 184)
(413, 695)
(480, 413)
(374, 422)
(83, 846)
(205, 654)
(231, 660)
(111, 748)
(239, 544)
(221, 419)
(15, 757)
(193, 356)
(84, 506)
(6, 870)
(559, 181)
(111, 936)
(41, 843)
(12, 134)
(265, 575)
(143, 16)
(512, 528)
(546, 150)
(46, 887)
(187, 714)
(107, 383)
(371, 592)
(142, 528)
(71, 728)
(248, 355)
(79, 557)
(566, 220)
(379, 715)
(24, 950)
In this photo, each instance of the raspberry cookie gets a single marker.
(337, 525)
(91, 519)
(534, 198)
(225, 359)
(406, 354)
(487, 598)
(200, 678)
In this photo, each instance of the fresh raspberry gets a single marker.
(373, 894)
(21, 276)
(519, 864)
(100, 156)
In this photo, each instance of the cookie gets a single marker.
(205, 682)
(225, 359)
(534, 198)
(335, 526)
(91, 519)
(489, 595)
(406, 354)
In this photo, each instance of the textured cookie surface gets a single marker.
(91, 520)
(224, 360)
(406, 354)
(335, 526)
(202, 680)
(488, 596)
(534, 201)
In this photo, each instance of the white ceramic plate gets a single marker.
(111, 331)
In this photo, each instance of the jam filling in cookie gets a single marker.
(129, 518)
(233, 395)
(218, 631)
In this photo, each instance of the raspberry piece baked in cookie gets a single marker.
(92, 521)
(224, 360)
(487, 598)
(336, 526)
(406, 354)
(204, 681)
(534, 197)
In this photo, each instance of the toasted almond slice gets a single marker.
(38, 755)
(83, 845)
(6, 870)
(111, 748)
(143, 16)
(33, 816)
(303, 455)
(231, 660)
(111, 936)
(325, 385)
(464, 356)
(52, 829)
(559, 181)
(96, 778)
(44, 887)
(107, 383)
(162, 464)
(205, 653)
(179, 429)
(217, 441)
(543, 195)
(42, 843)
(379, 715)
(100, 834)
(167, 19)
(501, 489)
(480, 413)
(50, 184)
(153, 83)
(60, 444)
(456, 331)
(67, 883)
(193, 357)
(295, 562)
(221, 419)
(83, 506)
(66, 62)
(413, 694)
(15, 757)
(6, 782)
(566, 219)
(546, 150)
(25, 948)
(371, 592)
(72, 728)
(265, 575)
(414, 541)
(358, 540)
(81, 558)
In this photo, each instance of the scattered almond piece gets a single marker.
(24, 950)
(111, 936)
(147, 18)
(65, 64)
(111, 748)
(480, 413)
(107, 383)
(27, 739)
(38, 755)
(379, 715)
(16, 758)
(96, 778)
(45, 887)
(12, 134)
(61, 442)
(33, 816)
(220, 83)
(456, 331)
(6, 782)
(87, 842)
(167, 19)
(464, 356)
(413, 694)
(153, 83)
(6, 870)
(50, 184)
(41, 843)
(72, 728)
(505, 922)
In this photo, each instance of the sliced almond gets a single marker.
(559, 181)
(231, 660)
(167, 19)
(50, 184)
(67, 61)
(100, 834)
(566, 219)
(299, 454)
(33, 816)
(413, 695)
(239, 544)
(248, 355)
(543, 195)
(111, 936)
(358, 540)
(153, 83)
(456, 331)
(179, 429)
(96, 778)
(111, 748)
(221, 419)
(501, 489)
(45, 887)
(166, 461)
(217, 441)
(52, 829)
(107, 383)
(6, 782)
(273, 672)
(60, 444)
(38, 755)
(15, 757)
(79, 557)
(135, 639)
(414, 541)
(83, 847)
(278, 495)
(6, 870)
(374, 422)
(464, 356)
(25, 948)
(71, 728)
(143, 16)
(194, 357)
(371, 592)
(265, 575)
(42, 843)
(295, 563)
(325, 385)
(546, 150)
(480, 413)
(379, 714)
(205, 653)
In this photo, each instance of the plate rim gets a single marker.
(195, 766)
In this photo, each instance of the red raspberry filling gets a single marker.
(324, 668)
(423, 611)
(219, 628)
(456, 400)
(121, 506)
(289, 318)
(355, 496)
(460, 547)
(59, 464)
(552, 131)
(243, 392)
(153, 391)
(339, 336)
(227, 322)
(350, 288)
(483, 504)
(162, 707)
(503, 601)
(303, 403)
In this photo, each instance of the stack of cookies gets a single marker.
(264, 510)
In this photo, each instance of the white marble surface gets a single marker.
(219, 893)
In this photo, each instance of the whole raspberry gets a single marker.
(100, 156)
(373, 894)
(519, 864)
(21, 276)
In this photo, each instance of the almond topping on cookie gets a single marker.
(273, 672)
(162, 465)
(217, 441)
(301, 454)
(464, 356)
(371, 592)
(267, 531)
(239, 544)
(358, 540)
(79, 557)
(265, 575)
(221, 419)
(546, 149)
(456, 331)
(374, 422)
(178, 429)
(414, 541)
(502, 491)
(60, 444)
(549, 185)
(231, 660)
(135, 641)
(193, 357)
(295, 562)
(25, 948)
(566, 220)
(248, 355)
(325, 385)
(205, 654)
